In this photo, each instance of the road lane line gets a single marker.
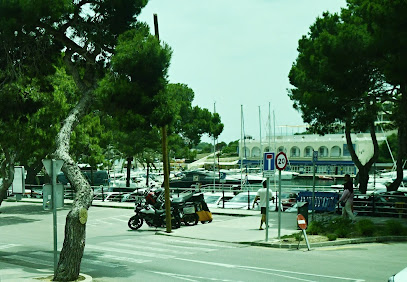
(9, 246)
(135, 253)
(269, 269)
(188, 277)
(144, 247)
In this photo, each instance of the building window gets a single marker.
(281, 149)
(256, 152)
(323, 152)
(308, 151)
(295, 152)
(335, 151)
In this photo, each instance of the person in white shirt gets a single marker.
(262, 195)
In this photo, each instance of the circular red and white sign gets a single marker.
(302, 223)
(281, 161)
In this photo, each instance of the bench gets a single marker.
(324, 201)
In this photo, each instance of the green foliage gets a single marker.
(332, 236)
(315, 228)
(341, 227)
(366, 227)
(384, 154)
(332, 77)
(204, 147)
(232, 148)
(395, 228)
(298, 236)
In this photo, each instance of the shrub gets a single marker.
(366, 227)
(298, 236)
(315, 228)
(331, 236)
(394, 227)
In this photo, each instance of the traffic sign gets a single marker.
(281, 161)
(302, 223)
(48, 166)
(268, 162)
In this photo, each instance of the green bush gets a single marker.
(298, 236)
(395, 228)
(366, 227)
(331, 236)
(315, 228)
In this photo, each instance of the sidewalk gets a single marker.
(241, 228)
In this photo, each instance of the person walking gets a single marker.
(346, 199)
(262, 195)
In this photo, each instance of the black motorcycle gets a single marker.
(153, 216)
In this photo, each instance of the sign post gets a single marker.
(268, 170)
(50, 199)
(314, 161)
(302, 224)
(281, 163)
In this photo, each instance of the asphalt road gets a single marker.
(113, 252)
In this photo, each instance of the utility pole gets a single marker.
(165, 157)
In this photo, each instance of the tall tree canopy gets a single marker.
(387, 25)
(335, 81)
(33, 35)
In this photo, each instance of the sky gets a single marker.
(236, 55)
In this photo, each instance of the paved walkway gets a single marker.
(243, 228)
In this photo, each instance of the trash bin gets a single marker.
(302, 208)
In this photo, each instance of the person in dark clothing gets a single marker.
(347, 198)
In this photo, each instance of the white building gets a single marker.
(333, 154)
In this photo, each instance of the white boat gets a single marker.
(393, 175)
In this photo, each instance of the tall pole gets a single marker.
(279, 204)
(241, 147)
(313, 186)
(54, 213)
(214, 153)
(261, 146)
(165, 156)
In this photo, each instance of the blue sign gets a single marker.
(268, 162)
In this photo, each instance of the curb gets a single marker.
(82, 278)
(341, 242)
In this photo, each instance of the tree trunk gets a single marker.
(402, 139)
(363, 169)
(7, 173)
(129, 160)
(75, 229)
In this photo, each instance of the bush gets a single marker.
(342, 227)
(395, 228)
(298, 236)
(366, 227)
(315, 228)
(331, 237)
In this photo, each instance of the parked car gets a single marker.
(399, 277)
(242, 201)
(288, 199)
(215, 200)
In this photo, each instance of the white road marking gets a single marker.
(189, 277)
(264, 270)
(135, 253)
(148, 248)
(126, 259)
(9, 246)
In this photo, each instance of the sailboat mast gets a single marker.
(241, 146)
(261, 146)
(214, 152)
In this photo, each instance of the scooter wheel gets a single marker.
(191, 219)
(135, 222)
